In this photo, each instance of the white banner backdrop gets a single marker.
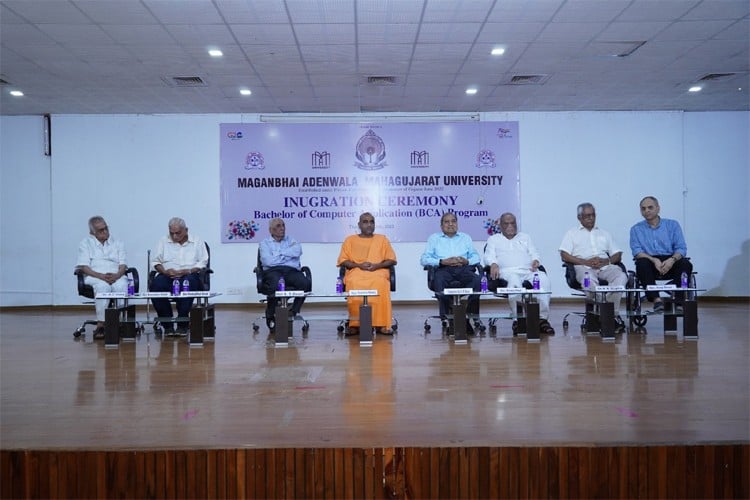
(321, 177)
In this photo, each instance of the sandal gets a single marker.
(385, 331)
(353, 330)
(545, 327)
(99, 333)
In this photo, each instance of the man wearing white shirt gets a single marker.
(593, 250)
(101, 258)
(178, 256)
(513, 257)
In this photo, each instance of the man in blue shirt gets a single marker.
(659, 250)
(455, 259)
(280, 257)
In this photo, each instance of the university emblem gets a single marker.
(370, 152)
(254, 161)
(486, 158)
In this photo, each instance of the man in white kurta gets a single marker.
(513, 257)
(102, 260)
(591, 249)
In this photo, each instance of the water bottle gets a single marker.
(535, 282)
(339, 285)
(684, 280)
(586, 280)
(185, 285)
(282, 284)
(483, 283)
(176, 286)
(131, 286)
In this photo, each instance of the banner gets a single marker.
(320, 177)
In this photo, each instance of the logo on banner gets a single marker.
(321, 159)
(242, 229)
(370, 152)
(234, 136)
(420, 159)
(486, 158)
(254, 161)
(504, 133)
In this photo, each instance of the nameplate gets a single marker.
(195, 294)
(607, 288)
(111, 295)
(458, 291)
(362, 293)
(290, 293)
(661, 287)
(512, 290)
(156, 294)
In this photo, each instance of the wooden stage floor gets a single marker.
(415, 389)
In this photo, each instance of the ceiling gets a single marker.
(316, 56)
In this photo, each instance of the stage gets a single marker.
(413, 415)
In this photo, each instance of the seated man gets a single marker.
(178, 256)
(367, 258)
(513, 257)
(101, 258)
(453, 255)
(659, 249)
(593, 250)
(280, 257)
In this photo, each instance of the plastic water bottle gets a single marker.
(176, 286)
(339, 285)
(483, 283)
(282, 284)
(185, 285)
(586, 280)
(684, 280)
(535, 282)
(131, 286)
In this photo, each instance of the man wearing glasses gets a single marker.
(101, 258)
(593, 250)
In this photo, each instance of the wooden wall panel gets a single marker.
(699, 471)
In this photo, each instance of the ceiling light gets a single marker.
(215, 53)
(498, 51)
(246, 91)
(16, 93)
(471, 91)
(696, 88)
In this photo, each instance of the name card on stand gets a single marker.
(290, 293)
(661, 287)
(112, 295)
(510, 290)
(603, 288)
(458, 291)
(156, 294)
(195, 294)
(362, 293)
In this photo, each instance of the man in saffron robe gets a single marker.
(367, 258)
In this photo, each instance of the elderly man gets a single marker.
(453, 255)
(513, 257)
(659, 250)
(592, 250)
(367, 258)
(101, 258)
(182, 257)
(280, 257)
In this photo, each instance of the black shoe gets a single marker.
(99, 333)
(514, 327)
(182, 330)
(271, 323)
